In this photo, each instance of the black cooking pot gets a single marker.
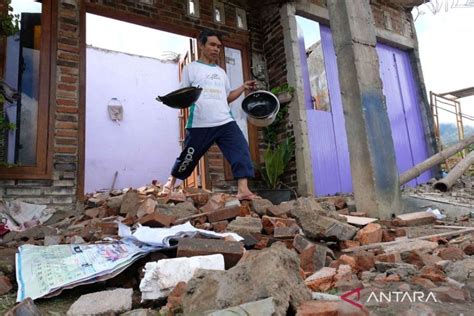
(181, 98)
(260, 104)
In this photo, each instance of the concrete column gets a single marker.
(373, 165)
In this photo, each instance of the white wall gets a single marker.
(145, 144)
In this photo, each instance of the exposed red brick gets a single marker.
(231, 250)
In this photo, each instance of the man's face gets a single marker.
(212, 48)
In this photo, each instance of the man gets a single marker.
(210, 119)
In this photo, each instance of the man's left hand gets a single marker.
(250, 85)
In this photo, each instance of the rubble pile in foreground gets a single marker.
(296, 257)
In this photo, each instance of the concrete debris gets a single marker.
(99, 303)
(264, 307)
(161, 277)
(319, 245)
(272, 272)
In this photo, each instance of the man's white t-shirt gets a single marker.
(211, 109)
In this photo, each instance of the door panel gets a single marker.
(401, 97)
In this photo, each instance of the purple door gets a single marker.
(402, 100)
(326, 130)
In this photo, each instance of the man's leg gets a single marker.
(196, 143)
(235, 149)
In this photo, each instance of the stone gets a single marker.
(115, 202)
(146, 207)
(330, 308)
(346, 244)
(179, 210)
(260, 206)
(388, 257)
(224, 213)
(272, 272)
(5, 285)
(286, 232)
(176, 296)
(418, 258)
(451, 253)
(317, 226)
(24, 308)
(157, 220)
(113, 301)
(140, 312)
(449, 294)
(432, 273)
(280, 210)
(130, 202)
(469, 249)
(52, 240)
(231, 250)
(175, 197)
(322, 280)
(245, 225)
(370, 234)
(265, 307)
(313, 258)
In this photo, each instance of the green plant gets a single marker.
(276, 161)
(282, 89)
(9, 22)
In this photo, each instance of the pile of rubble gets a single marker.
(307, 256)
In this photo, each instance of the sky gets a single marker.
(446, 44)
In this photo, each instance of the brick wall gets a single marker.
(266, 39)
(60, 191)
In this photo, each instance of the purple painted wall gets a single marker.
(326, 130)
(145, 144)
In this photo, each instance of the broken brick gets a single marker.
(269, 223)
(469, 249)
(322, 280)
(231, 250)
(424, 283)
(451, 253)
(157, 220)
(280, 210)
(146, 207)
(224, 213)
(326, 308)
(285, 232)
(413, 219)
(175, 197)
(220, 227)
(370, 234)
(245, 225)
(300, 243)
(313, 258)
(346, 244)
(432, 273)
(5, 285)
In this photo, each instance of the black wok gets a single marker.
(181, 98)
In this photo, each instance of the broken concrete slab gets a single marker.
(161, 277)
(141, 312)
(317, 226)
(113, 301)
(272, 272)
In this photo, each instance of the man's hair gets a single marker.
(202, 38)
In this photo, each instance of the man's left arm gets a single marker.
(234, 94)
